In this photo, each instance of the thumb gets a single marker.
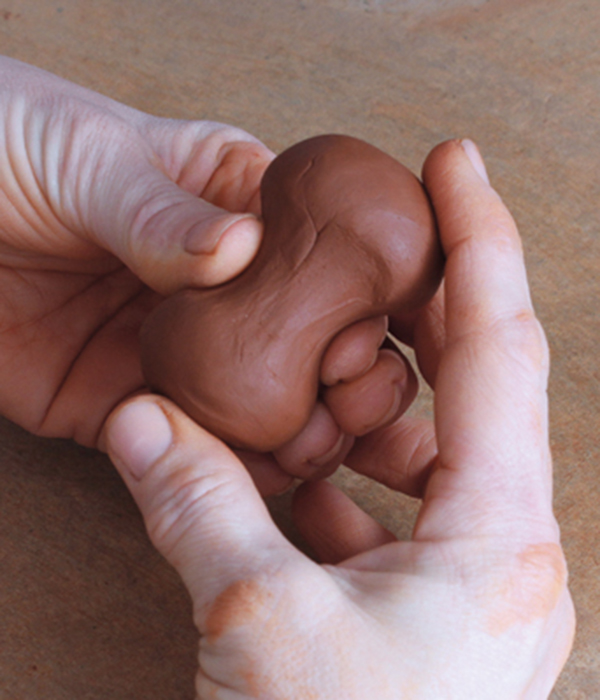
(168, 237)
(199, 504)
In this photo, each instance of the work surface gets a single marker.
(88, 609)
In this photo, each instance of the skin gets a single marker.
(476, 603)
(104, 210)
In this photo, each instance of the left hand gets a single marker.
(103, 209)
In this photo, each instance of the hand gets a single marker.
(476, 604)
(103, 210)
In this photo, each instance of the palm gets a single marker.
(68, 346)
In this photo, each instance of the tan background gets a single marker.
(88, 610)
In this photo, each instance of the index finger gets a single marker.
(494, 467)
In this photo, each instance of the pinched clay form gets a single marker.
(349, 235)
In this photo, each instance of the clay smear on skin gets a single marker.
(265, 614)
(242, 603)
(531, 592)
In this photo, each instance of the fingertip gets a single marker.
(318, 450)
(474, 155)
(440, 159)
(235, 248)
(377, 398)
(353, 351)
(451, 159)
(466, 206)
(137, 435)
(150, 429)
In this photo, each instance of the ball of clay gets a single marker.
(349, 234)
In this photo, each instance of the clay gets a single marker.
(349, 234)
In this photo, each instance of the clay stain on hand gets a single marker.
(530, 592)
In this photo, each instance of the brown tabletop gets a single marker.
(88, 610)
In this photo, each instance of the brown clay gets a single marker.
(349, 235)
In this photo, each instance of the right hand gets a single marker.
(476, 604)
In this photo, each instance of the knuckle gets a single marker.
(183, 501)
(522, 338)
